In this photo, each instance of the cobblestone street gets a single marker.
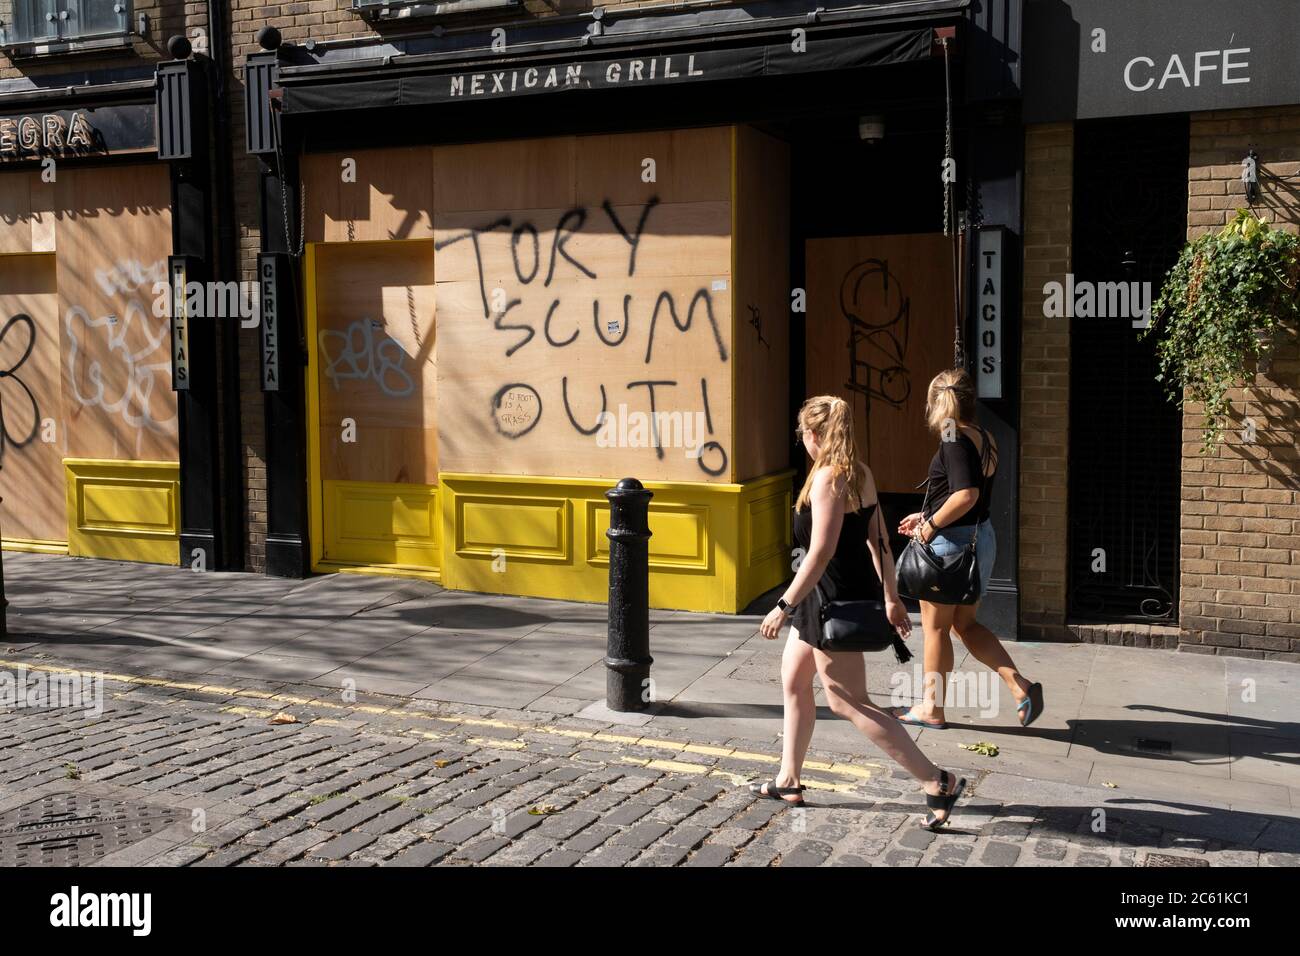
(259, 774)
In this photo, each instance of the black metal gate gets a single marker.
(1130, 220)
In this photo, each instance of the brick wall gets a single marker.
(1045, 383)
(1240, 545)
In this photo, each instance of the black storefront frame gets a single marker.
(209, 513)
(993, 149)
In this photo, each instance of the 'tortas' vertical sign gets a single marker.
(179, 272)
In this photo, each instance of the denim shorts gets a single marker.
(952, 539)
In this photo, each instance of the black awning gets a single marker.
(635, 68)
(652, 49)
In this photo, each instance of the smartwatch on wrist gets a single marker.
(784, 605)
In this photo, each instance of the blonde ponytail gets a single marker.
(830, 419)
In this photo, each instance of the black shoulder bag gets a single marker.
(859, 625)
(952, 579)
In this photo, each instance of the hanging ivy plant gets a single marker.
(1219, 310)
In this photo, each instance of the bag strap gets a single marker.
(985, 456)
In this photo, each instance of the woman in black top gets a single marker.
(960, 485)
(838, 521)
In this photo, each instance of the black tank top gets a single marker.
(850, 575)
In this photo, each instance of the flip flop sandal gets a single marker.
(1031, 706)
(904, 716)
(943, 800)
(773, 792)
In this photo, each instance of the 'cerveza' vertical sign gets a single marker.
(988, 301)
(268, 275)
(178, 270)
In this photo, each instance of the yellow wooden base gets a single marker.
(124, 510)
(714, 547)
(390, 526)
(33, 546)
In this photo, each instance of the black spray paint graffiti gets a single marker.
(517, 407)
(879, 318)
(22, 321)
(756, 320)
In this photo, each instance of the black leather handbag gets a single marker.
(948, 579)
(858, 625)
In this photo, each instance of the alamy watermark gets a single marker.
(212, 300)
(624, 429)
(71, 689)
(967, 690)
(1098, 300)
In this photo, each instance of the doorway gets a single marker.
(372, 394)
(1130, 190)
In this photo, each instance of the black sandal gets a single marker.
(1029, 708)
(774, 792)
(943, 800)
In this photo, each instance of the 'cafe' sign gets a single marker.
(22, 137)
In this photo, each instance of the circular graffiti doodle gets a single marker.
(516, 409)
(722, 466)
(7, 439)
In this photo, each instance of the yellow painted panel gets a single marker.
(770, 521)
(679, 535)
(529, 528)
(765, 535)
(383, 524)
(112, 504)
(697, 556)
(124, 510)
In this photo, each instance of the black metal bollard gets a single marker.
(627, 655)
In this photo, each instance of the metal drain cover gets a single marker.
(1169, 859)
(73, 829)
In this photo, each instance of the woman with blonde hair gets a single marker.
(846, 558)
(956, 513)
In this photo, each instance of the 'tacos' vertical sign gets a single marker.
(988, 303)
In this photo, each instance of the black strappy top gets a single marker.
(850, 575)
(957, 466)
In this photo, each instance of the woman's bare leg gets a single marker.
(988, 650)
(844, 677)
(797, 670)
(936, 623)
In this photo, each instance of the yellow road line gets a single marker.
(863, 771)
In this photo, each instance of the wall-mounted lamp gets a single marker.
(871, 129)
(1250, 176)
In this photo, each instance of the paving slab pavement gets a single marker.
(1208, 730)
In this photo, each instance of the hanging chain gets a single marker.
(297, 251)
(947, 141)
(949, 224)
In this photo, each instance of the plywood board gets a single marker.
(879, 328)
(690, 165)
(531, 363)
(375, 351)
(32, 444)
(763, 426)
(26, 212)
(515, 175)
(114, 236)
(367, 195)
